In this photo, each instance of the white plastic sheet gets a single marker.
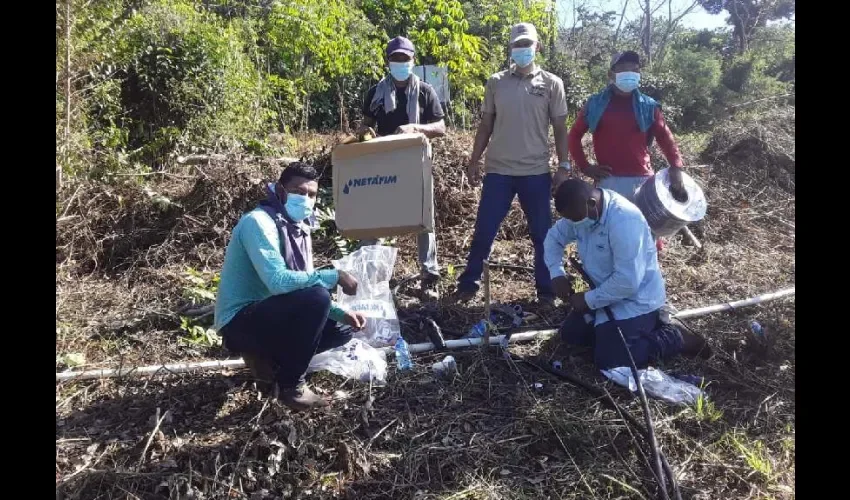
(355, 360)
(657, 384)
(373, 268)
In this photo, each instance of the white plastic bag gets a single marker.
(373, 268)
(355, 360)
(656, 384)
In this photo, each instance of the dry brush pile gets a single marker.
(123, 248)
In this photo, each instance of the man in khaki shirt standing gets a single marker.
(519, 105)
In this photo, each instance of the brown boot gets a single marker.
(301, 398)
(262, 369)
(694, 345)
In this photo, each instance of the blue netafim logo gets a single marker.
(370, 181)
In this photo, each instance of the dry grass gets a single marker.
(121, 264)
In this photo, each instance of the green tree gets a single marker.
(186, 79)
(746, 16)
(699, 72)
(313, 45)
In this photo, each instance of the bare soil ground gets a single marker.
(124, 249)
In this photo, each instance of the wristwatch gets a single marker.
(565, 165)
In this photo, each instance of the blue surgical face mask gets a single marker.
(522, 56)
(401, 70)
(298, 206)
(584, 223)
(627, 81)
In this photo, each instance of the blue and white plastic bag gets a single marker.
(355, 360)
(373, 268)
(656, 384)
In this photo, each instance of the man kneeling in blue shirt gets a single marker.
(618, 252)
(272, 306)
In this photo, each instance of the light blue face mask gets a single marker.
(298, 206)
(584, 223)
(401, 71)
(522, 56)
(627, 81)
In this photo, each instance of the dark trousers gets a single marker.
(286, 329)
(648, 338)
(496, 197)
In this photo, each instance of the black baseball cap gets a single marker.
(625, 56)
(400, 44)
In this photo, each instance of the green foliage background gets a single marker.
(150, 79)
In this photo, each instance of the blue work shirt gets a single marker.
(618, 253)
(254, 270)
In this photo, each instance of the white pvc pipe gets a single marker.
(240, 363)
(414, 348)
(150, 370)
(700, 311)
(460, 343)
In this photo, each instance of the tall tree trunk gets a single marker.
(67, 138)
(648, 40)
(553, 28)
(620, 24)
(672, 24)
(740, 28)
(343, 112)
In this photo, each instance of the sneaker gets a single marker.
(301, 398)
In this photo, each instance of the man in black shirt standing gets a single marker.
(401, 103)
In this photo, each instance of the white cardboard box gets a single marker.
(383, 187)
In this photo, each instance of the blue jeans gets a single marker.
(648, 338)
(287, 329)
(624, 186)
(498, 193)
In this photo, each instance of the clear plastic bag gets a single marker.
(656, 384)
(373, 268)
(355, 360)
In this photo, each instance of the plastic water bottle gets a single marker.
(402, 355)
(757, 329)
(477, 330)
